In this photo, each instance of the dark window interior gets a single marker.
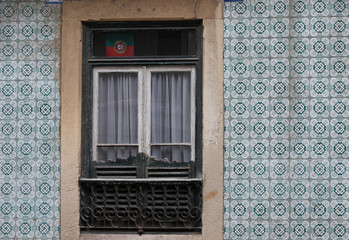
(154, 43)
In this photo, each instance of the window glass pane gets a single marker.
(145, 43)
(112, 153)
(172, 153)
(117, 108)
(170, 107)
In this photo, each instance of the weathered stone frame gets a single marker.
(211, 13)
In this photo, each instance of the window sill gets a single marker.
(197, 180)
(162, 236)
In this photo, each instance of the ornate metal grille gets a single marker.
(141, 204)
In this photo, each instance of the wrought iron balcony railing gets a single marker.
(141, 193)
(141, 204)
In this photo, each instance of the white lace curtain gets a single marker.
(170, 115)
(117, 114)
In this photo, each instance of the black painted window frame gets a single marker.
(89, 62)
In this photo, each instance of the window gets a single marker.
(141, 128)
(144, 109)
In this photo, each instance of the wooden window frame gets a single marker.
(91, 62)
(144, 142)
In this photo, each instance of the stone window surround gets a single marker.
(73, 13)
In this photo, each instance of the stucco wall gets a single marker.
(212, 13)
(29, 120)
(286, 119)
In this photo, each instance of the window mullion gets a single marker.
(147, 110)
(141, 96)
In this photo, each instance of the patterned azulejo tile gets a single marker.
(29, 120)
(286, 129)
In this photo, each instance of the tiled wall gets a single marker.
(29, 120)
(286, 119)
